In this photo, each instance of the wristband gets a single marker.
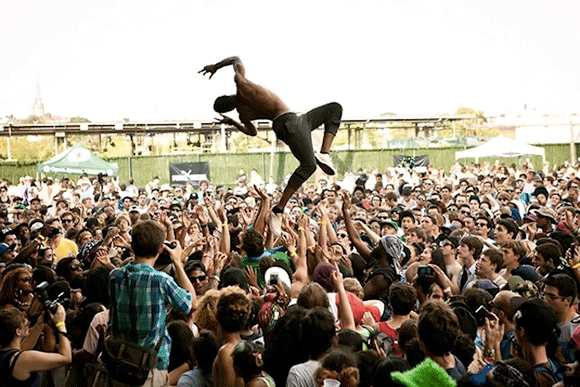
(576, 266)
(292, 255)
(204, 225)
(323, 223)
(300, 228)
(59, 324)
(224, 225)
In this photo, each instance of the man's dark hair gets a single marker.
(438, 328)
(147, 239)
(496, 257)
(550, 252)
(225, 103)
(564, 283)
(10, 320)
(317, 331)
(402, 297)
(391, 196)
(419, 232)
(233, 309)
(473, 243)
(475, 297)
(252, 242)
(510, 225)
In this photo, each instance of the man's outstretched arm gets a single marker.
(245, 127)
(233, 61)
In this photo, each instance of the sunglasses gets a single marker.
(383, 217)
(200, 278)
(464, 212)
(481, 224)
(66, 220)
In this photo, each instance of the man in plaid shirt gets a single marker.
(141, 296)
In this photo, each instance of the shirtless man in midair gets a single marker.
(254, 102)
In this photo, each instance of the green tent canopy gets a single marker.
(78, 160)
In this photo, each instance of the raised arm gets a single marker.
(353, 234)
(233, 61)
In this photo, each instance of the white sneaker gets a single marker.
(275, 223)
(325, 163)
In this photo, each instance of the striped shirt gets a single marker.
(152, 292)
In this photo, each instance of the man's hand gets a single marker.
(224, 120)
(175, 254)
(209, 69)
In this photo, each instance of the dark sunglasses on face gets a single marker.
(482, 224)
(200, 278)
(66, 220)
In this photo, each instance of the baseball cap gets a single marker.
(454, 241)
(36, 226)
(4, 247)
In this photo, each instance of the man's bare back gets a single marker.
(253, 102)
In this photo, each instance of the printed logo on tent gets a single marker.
(79, 155)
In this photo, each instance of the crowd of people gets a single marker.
(398, 278)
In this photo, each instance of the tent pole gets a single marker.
(572, 145)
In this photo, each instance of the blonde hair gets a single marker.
(353, 285)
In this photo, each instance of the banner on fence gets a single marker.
(418, 163)
(182, 173)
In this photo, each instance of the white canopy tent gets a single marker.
(501, 147)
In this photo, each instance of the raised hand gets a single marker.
(251, 276)
(103, 257)
(209, 69)
(345, 201)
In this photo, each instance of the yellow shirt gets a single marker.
(66, 248)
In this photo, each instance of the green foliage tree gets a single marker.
(78, 119)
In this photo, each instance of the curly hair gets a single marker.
(205, 314)
(339, 365)
(9, 285)
(233, 309)
(252, 243)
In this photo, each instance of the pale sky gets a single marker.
(107, 60)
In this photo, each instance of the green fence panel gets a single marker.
(224, 167)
